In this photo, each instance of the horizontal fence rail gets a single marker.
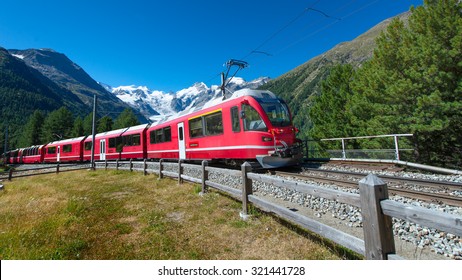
(55, 168)
(376, 208)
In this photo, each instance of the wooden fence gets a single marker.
(54, 168)
(377, 210)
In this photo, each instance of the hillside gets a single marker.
(71, 77)
(300, 84)
(23, 90)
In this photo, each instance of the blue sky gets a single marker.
(170, 45)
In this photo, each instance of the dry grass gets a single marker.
(123, 215)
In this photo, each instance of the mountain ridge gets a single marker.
(157, 105)
(68, 75)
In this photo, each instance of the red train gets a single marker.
(250, 125)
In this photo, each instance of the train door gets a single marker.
(58, 153)
(102, 149)
(181, 141)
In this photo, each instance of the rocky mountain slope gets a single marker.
(69, 76)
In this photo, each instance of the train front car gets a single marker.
(263, 112)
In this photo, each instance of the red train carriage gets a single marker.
(251, 124)
(64, 150)
(125, 143)
(32, 154)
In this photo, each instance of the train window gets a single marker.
(88, 146)
(158, 136)
(235, 119)
(136, 139)
(116, 142)
(67, 148)
(252, 120)
(112, 142)
(131, 140)
(195, 127)
(51, 150)
(213, 124)
(277, 112)
(161, 135)
(180, 133)
(167, 134)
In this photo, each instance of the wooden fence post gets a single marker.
(10, 174)
(180, 171)
(377, 227)
(161, 168)
(246, 190)
(205, 177)
(145, 167)
(117, 164)
(57, 168)
(105, 164)
(131, 165)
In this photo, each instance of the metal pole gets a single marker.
(396, 147)
(343, 149)
(93, 132)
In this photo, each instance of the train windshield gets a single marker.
(277, 111)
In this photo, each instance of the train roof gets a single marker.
(77, 139)
(262, 94)
(119, 132)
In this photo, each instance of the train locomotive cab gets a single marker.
(263, 112)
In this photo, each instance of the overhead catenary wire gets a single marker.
(311, 8)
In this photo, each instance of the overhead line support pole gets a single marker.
(93, 133)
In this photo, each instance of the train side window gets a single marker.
(67, 148)
(235, 119)
(87, 146)
(51, 150)
(112, 142)
(161, 135)
(195, 127)
(116, 142)
(180, 134)
(213, 124)
(136, 140)
(252, 120)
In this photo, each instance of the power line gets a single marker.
(294, 20)
(281, 29)
(326, 26)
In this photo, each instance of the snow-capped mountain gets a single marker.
(158, 105)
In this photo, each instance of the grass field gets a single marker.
(108, 215)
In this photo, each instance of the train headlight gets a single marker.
(266, 139)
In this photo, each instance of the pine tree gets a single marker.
(78, 130)
(126, 119)
(88, 124)
(105, 124)
(413, 84)
(57, 125)
(329, 114)
(32, 130)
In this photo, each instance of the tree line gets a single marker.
(61, 124)
(412, 84)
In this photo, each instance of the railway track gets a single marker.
(440, 192)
